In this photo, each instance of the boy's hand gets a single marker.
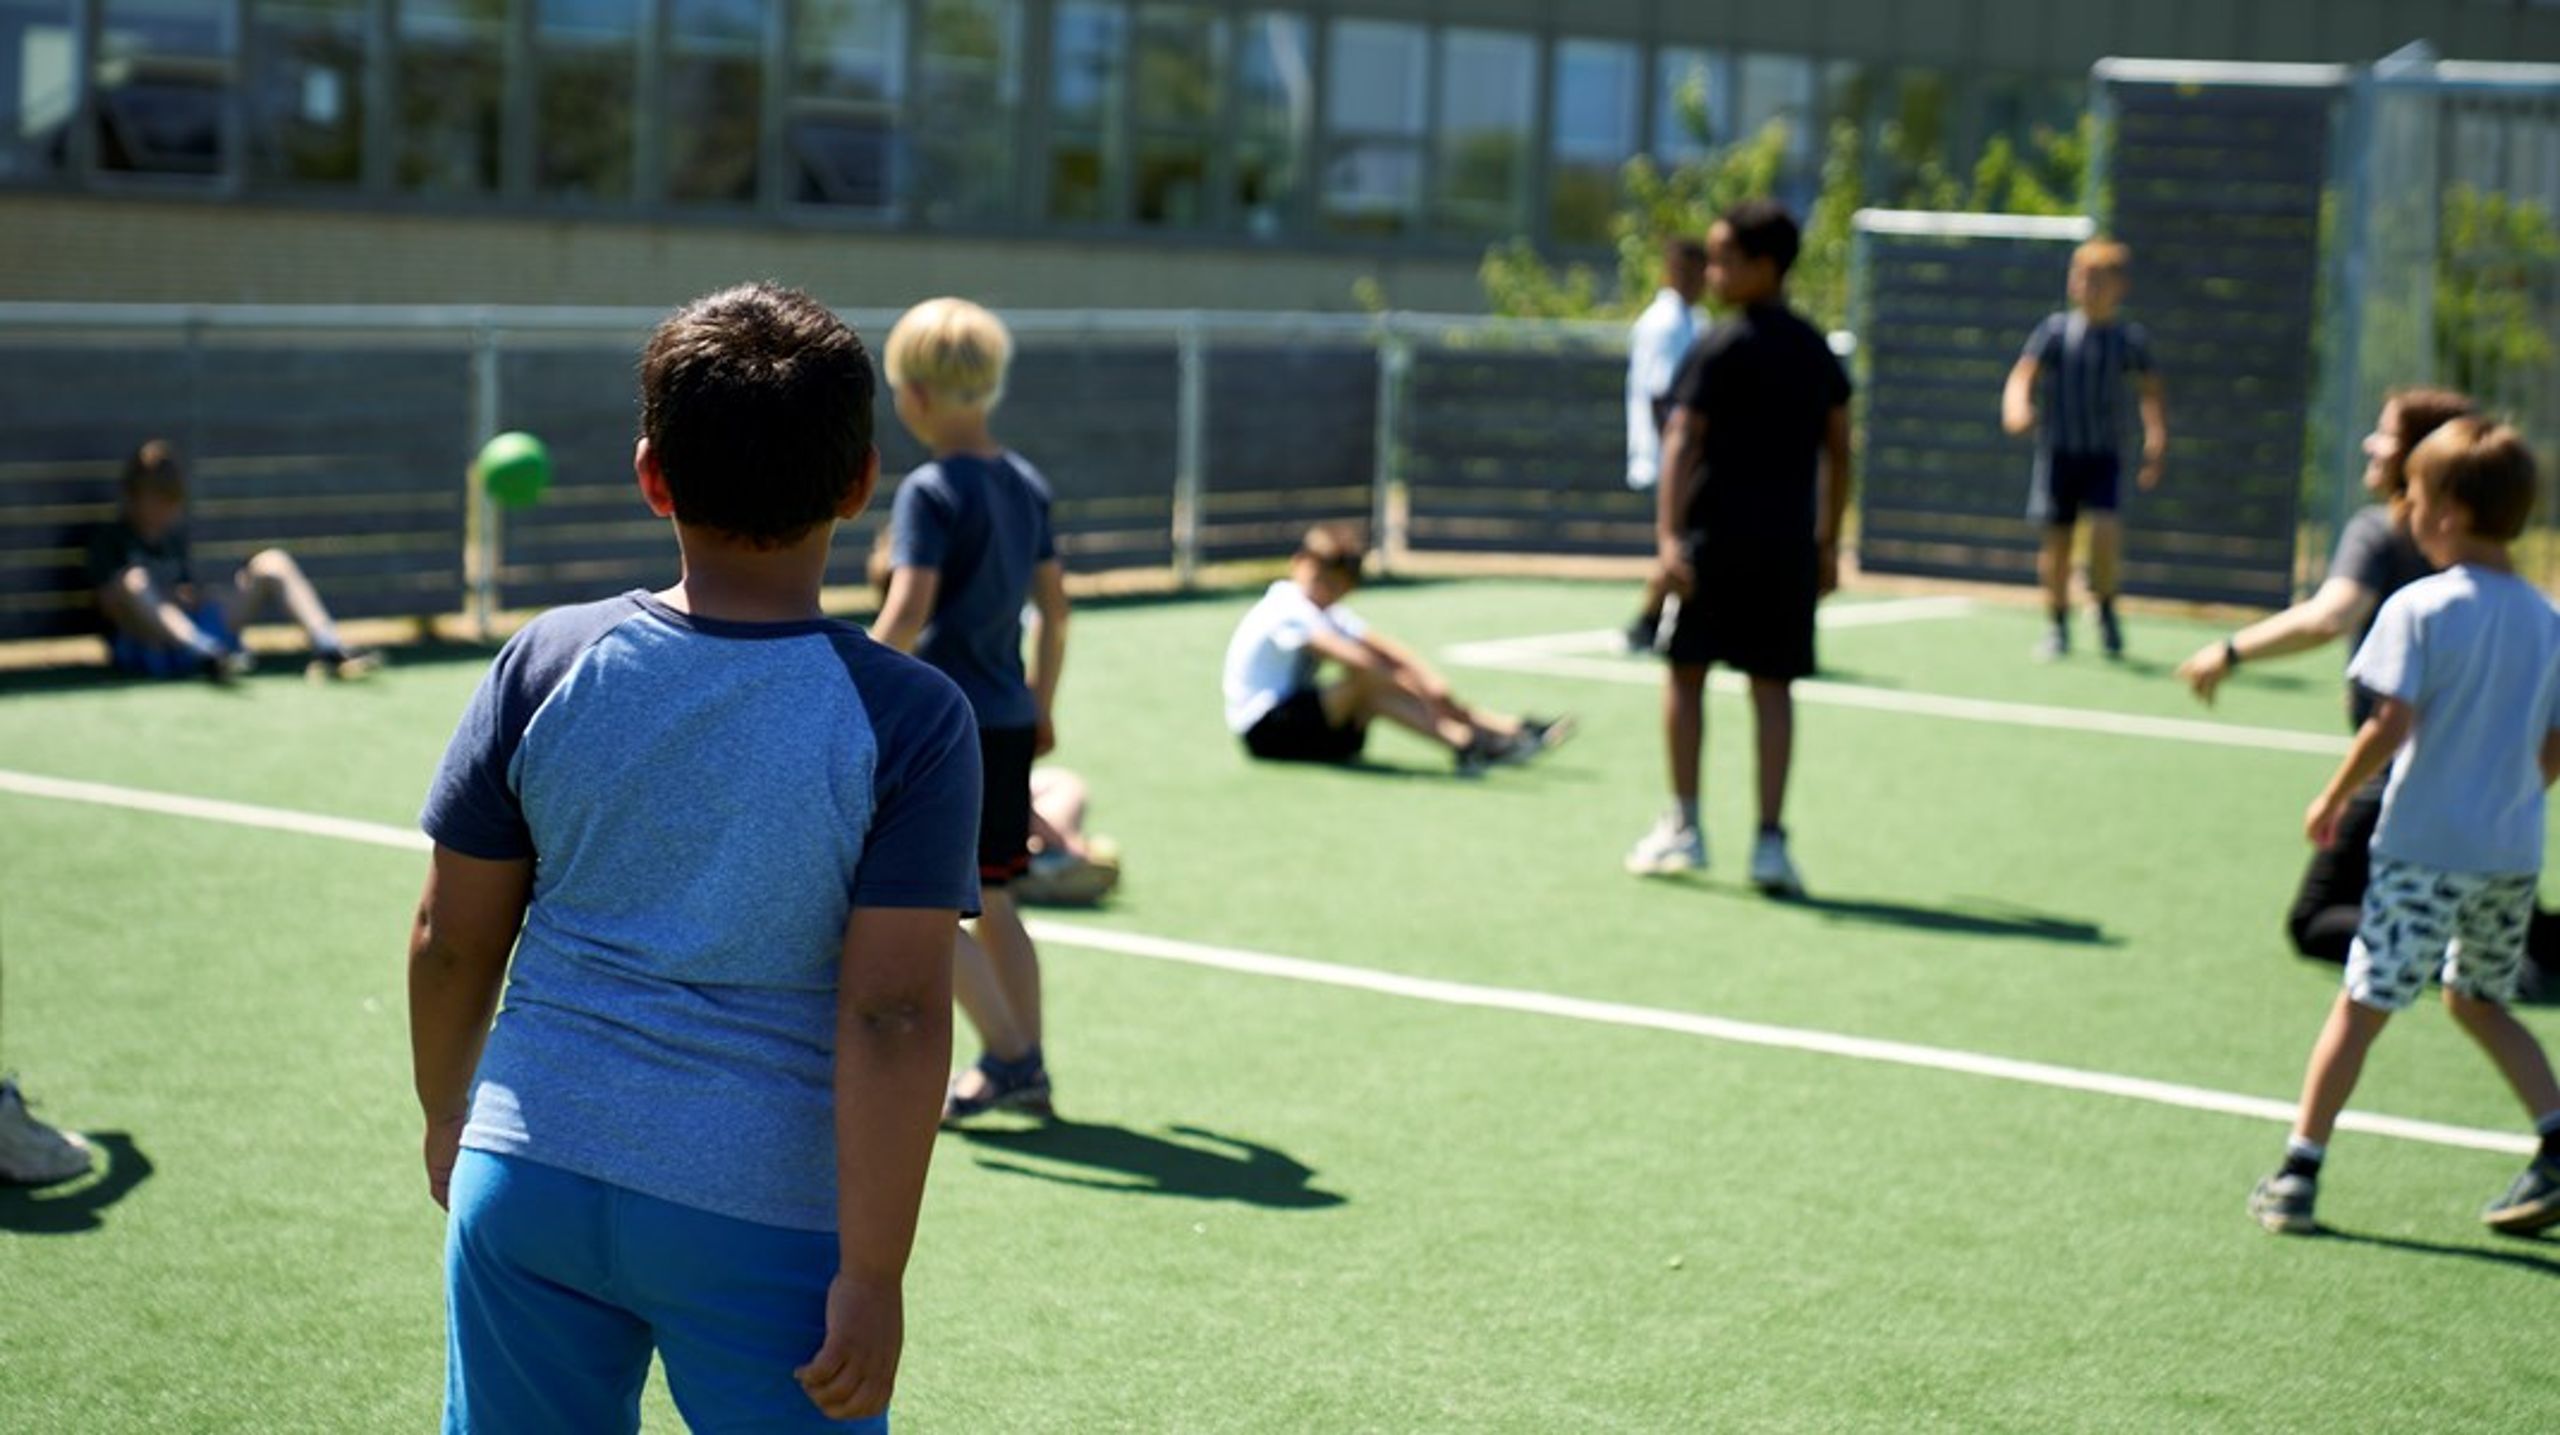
(1673, 555)
(2149, 478)
(2205, 671)
(443, 1146)
(853, 1373)
(1826, 580)
(2320, 823)
(1044, 737)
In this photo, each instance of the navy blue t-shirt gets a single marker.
(705, 804)
(983, 524)
(2086, 372)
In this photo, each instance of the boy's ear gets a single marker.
(653, 480)
(858, 497)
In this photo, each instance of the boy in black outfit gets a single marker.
(1748, 538)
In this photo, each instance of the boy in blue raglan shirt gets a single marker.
(728, 841)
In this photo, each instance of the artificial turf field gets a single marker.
(1290, 1206)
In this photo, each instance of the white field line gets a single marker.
(1558, 655)
(1445, 993)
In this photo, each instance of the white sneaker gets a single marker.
(32, 1153)
(1771, 871)
(1672, 846)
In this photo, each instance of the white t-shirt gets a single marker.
(1268, 659)
(2477, 653)
(1655, 346)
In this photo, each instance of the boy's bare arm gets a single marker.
(893, 1052)
(1048, 647)
(2155, 429)
(2551, 757)
(2018, 398)
(1839, 483)
(1397, 655)
(1351, 653)
(465, 930)
(1680, 437)
(2379, 738)
(908, 607)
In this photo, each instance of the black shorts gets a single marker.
(1004, 804)
(1751, 608)
(1298, 731)
(2066, 484)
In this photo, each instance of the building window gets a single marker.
(1779, 90)
(1275, 111)
(452, 85)
(1692, 104)
(306, 100)
(1376, 110)
(164, 70)
(1488, 123)
(586, 70)
(1181, 61)
(968, 96)
(1088, 85)
(39, 92)
(848, 77)
(1594, 133)
(715, 100)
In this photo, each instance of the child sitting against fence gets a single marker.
(1283, 713)
(2071, 388)
(162, 621)
(2465, 667)
(970, 544)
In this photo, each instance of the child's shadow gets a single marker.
(71, 1207)
(1207, 1167)
(1966, 916)
(2516, 1260)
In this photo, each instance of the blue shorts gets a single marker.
(2069, 483)
(146, 660)
(558, 1287)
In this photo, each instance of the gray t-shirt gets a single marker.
(2085, 375)
(2380, 557)
(2477, 653)
(983, 524)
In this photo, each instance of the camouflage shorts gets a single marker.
(2417, 920)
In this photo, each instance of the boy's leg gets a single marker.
(272, 577)
(2480, 979)
(1684, 731)
(2053, 570)
(1773, 713)
(1363, 696)
(2106, 567)
(527, 1347)
(980, 992)
(1014, 961)
(2337, 1063)
(136, 608)
(2510, 1044)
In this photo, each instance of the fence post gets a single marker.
(1190, 453)
(1386, 498)
(481, 522)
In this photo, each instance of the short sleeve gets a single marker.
(922, 849)
(2137, 349)
(1044, 542)
(920, 522)
(2364, 552)
(2392, 662)
(108, 554)
(2042, 340)
(1837, 387)
(1689, 386)
(1346, 622)
(472, 807)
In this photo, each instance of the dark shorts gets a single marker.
(1298, 731)
(2068, 484)
(1004, 809)
(1751, 609)
(131, 655)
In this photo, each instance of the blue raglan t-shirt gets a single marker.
(983, 523)
(705, 803)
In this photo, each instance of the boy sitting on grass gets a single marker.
(1275, 704)
(727, 841)
(2466, 666)
(970, 542)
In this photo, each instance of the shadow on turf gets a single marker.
(1975, 917)
(72, 1207)
(1206, 1167)
(2518, 1260)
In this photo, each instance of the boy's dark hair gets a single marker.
(757, 401)
(1763, 229)
(1336, 546)
(2485, 467)
(1684, 252)
(153, 468)
(2421, 411)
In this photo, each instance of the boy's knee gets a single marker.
(272, 563)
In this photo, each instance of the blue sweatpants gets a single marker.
(558, 1286)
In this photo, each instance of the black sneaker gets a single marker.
(2530, 1205)
(1537, 736)
(344, 666)
(224, 669)
(1020, 1086)
(2110, 633)
(2282, 1204)
(1478, 756)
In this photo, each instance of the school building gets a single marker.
(1050, 153)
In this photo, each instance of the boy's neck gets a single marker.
(735, 582)
(2092, 314)
(2470, 552)
(963, 434)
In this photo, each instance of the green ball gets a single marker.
(515, 468)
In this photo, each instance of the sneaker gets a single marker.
(2054, 646)
(2282, 1204)
(343, 667)
(1537, 736)
(2531, 1204)
(224, 669)
(1771, 869)
(1478, 756)
(1643, 636)
(1671, 847)
(1020, 1086)
(2110, 634)
(1062, 879)
(32, 1153)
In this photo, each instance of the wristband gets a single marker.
(2230, 653)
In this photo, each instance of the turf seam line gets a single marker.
(1563, 655)
(1429, 989)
